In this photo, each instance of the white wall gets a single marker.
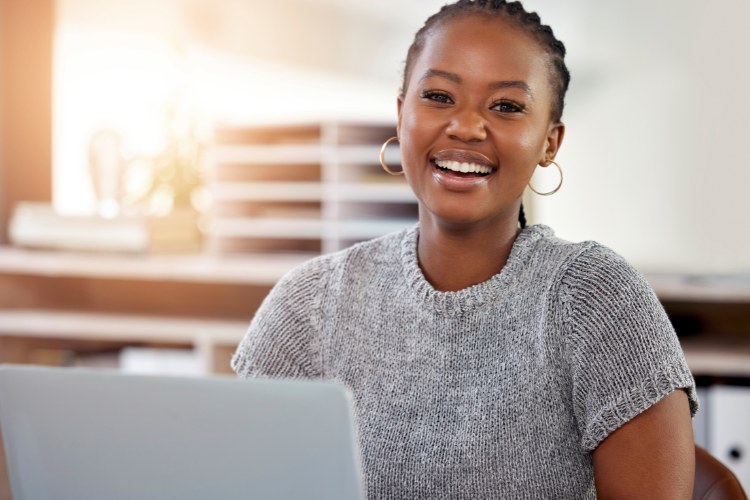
(657, 117)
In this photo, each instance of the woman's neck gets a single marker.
(453, 258)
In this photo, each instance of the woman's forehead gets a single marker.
(482, 48)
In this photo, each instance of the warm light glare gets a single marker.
(116, 80)
(124, 81)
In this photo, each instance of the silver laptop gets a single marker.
(77, 434)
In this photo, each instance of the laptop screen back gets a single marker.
(75, 434)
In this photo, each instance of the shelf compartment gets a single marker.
(262, 227)
(288, 134)
(306, 228)
(268, 191)
(300, 172)
(313, 191)
(375, 192)
(302, 154)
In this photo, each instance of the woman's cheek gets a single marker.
(407, 156)
(523, 153)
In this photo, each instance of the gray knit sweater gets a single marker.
(501, 390)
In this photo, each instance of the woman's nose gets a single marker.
(467, 126)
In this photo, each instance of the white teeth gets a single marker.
(463, 167)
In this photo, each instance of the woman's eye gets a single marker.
(437, 97)
(507, 107)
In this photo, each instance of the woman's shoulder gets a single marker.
(361, 258)
(583, 264)
(621, 347)
(598, 270)
(553, 262)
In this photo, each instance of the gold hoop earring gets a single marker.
(558, 186)
(382, 158)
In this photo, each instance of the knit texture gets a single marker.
(500, 390)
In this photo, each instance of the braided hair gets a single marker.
(514, 12)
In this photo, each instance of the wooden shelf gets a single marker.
(692, 288)
(213, 340)
(717, 359)
(257, 269)
(267, 269)
(116, 327)
(723, 353)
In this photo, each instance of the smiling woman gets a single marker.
(487, 360)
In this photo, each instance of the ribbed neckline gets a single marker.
(468, 299)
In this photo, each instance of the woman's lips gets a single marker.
(464, 156)
(461, 170)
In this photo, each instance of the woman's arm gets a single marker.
(650, 457)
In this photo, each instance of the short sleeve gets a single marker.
(624, 353)
(281, 339)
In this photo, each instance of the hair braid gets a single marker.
(530, 22)
(521, 217)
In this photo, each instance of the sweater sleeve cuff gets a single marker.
(635, 401)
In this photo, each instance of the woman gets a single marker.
(487, 361)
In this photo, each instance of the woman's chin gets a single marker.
(458, 217)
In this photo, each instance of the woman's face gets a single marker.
(479, 96)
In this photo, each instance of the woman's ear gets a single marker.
(555, 136)
(399, 107)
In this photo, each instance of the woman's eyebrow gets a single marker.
(511, 84)
(445, 74)
(505, 84)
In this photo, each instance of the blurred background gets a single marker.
(164, 162)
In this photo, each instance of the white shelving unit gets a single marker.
(321, 183)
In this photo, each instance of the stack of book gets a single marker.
(37, 225)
